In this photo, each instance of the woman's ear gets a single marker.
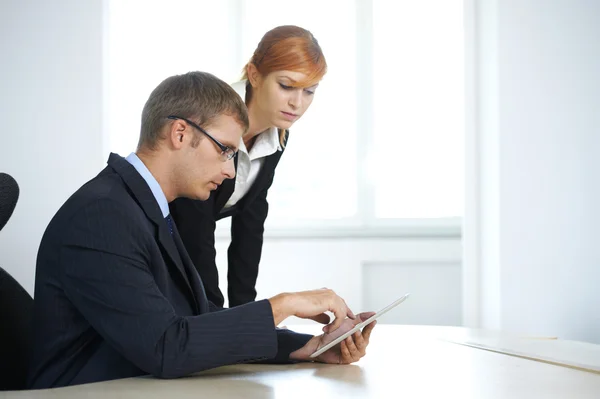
(253, 75)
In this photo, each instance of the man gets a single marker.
(116, 294)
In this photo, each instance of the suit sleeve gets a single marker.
(196, 225)
(106, 276)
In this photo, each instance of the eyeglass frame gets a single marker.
(226, 151)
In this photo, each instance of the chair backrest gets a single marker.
(16, 310)
(16, 307)
(9, 194)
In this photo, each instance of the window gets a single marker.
(390, 109)
(149, 41)
(315, 181)
(418, 98)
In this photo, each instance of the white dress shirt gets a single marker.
(250, 162)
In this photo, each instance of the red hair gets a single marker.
(289, 48)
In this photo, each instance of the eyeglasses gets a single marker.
(227, 153)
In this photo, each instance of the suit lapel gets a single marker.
(266, 172)
(223, 194)
(166, 241)
(261, 180)
(192, 273)
(143, 195)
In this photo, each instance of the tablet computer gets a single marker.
(360, 326)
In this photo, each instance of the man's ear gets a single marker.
(254, 76)
(176, 133)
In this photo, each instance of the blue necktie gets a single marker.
(170, 224)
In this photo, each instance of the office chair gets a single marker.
(16, 307)
(9, 194)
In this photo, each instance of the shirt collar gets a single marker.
(158, 193)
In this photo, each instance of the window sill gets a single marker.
(415, 229)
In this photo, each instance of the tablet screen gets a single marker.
(360, 325)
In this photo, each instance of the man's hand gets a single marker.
(348, 351)
(311, 305)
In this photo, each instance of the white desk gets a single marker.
(402, 362)
(577, 355)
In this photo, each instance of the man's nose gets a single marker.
(229, 169)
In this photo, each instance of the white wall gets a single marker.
(51, 112)
(368, 273)
(539, 137)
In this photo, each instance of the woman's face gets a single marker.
(279, 103)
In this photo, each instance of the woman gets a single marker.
(278, 85)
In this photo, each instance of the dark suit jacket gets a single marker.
(117, 296)
(196, 221)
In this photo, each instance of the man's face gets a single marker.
(202, 169)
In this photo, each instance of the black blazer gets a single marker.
(117, 296)
(196, 221)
